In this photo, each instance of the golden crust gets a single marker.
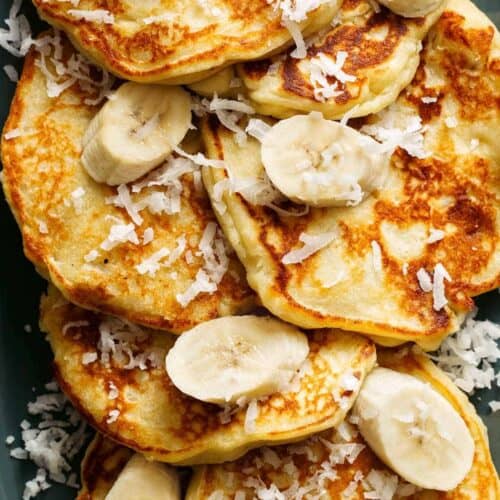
(159, 421)
(184, 48)
(457, 189)
(42, 169)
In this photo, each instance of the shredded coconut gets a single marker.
(125, 344)
(161, 18)
(435, 235)
(424, 280)
(322, 68)
(215, 265)
(118, 234)
(52, 438)
(91, 256)
(251, 415)
(113, 392)
(494, 405)
(257, 128)
(89, 358)
(11, 73)
(312, 244)
(468, 355)
(438, 290)
(96, 15)
(396, 129)
(113, 416)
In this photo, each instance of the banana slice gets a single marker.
(414, 430)
(145, 480)
(321, 162)
(228, 358)
(135, 131)
(412, 8)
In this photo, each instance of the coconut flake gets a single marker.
(52, 442)
(95, 15)
(251, 416)
(438, 289)
(11, 73)
(494, 405)
(118, 234)
(429, 100)
(322, 68)
(123, 200)
(395, 128)
(468, 355)
(435, 235)
(296, 11)
(257, 128)
(113, 416)
(91, 256)
(89, 358)
(215, 265)
(312, 244)
(424, 280)
(200, 159)
(160, 19)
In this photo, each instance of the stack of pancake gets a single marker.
(135, 266)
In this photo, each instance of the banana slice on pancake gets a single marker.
(412, 8)
(135, 132)
(142, 479)
(97, 357)
(414, 430)
(321, 162)
(341, 464)
(223, 360)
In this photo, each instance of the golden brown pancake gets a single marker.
(176, 40)
(42, 177)
(101, 466)
(305, 463)
(453, 187)
(114, 374)
(383, 53)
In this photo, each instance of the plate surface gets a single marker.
(25, 357)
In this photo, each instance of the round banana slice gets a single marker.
(412, 8)
(321, 162)
(142, 479)
(235, 357)
(414, 430)
(135, 131)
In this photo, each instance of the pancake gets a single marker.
(383, 53)
(147, 413)
(453, 187)
(64, 215)
(278, 466)
(176, 41)
(101, 466)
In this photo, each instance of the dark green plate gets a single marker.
(25, 357)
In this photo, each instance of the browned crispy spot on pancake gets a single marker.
(359, 42)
